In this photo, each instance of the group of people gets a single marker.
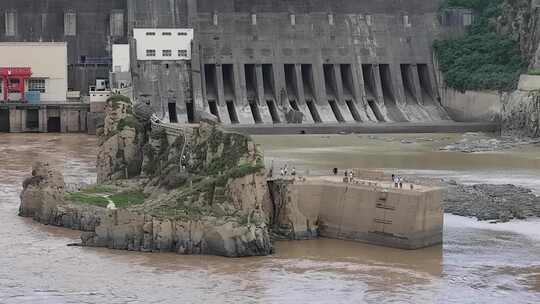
(398, 182)
(285, 171)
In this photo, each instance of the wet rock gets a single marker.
(500, 203)
(475, 142)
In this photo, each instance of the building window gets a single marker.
(35, 84)
(150, 33)
(467, 19)
(166, 53)
(150, 53)
(70, 24)
(369, 19)
(406, 21)
(331, 19)
(182, 34)
(215, 19)
(117, 23)
(166, 34)
(182, 53)
(11, 23)
(293, 19)
(253, 19)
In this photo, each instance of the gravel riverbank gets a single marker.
(499, 203)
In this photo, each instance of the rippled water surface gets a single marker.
(478, 263)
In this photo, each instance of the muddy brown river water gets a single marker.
(478, 262)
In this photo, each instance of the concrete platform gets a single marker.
(366, 128)
(373, 211)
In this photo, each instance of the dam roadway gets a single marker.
(367, 128)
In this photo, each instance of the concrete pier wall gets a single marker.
(407, 219)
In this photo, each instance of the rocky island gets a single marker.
(203, 192)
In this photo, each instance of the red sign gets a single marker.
(16, 72)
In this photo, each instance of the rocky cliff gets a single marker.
(520, 20)
(200, 190)
(521, 113)
(119, 154)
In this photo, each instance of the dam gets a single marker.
(247, 63)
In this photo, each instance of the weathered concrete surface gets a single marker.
(529, 83)
(368, 211)
(65, 118)
(472, 106)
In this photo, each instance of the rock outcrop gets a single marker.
(521, 114)
(499, 203)
(521, 21)
(200, 190)
(44, 199)
(119, 150)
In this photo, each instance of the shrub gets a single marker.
(481, 59)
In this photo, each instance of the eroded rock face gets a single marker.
(126, 230)
(287, 221)
(43, 199)
(520, 21)
(41, 191)
(119, 154)
(521, 114)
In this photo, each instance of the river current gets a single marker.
(478, 262)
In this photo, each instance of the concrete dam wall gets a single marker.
(255, 62)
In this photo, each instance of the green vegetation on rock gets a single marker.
(116, 99)
(482, 59)
(102, 195)
(88, 199)
(129, 122)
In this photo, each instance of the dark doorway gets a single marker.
(335, 109)
(4, 120)
(313, 111)
(213, 109)
(273, 111)
(32, 119)
(190, 112)
(376, 110)
(53, 125)
(294, 105)
(353, 110)
(232, 112)
(172, 113)
(255, 111)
